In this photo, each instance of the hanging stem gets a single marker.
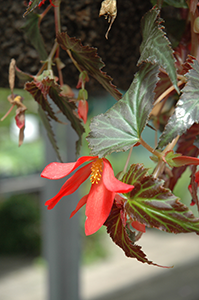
(58, 30)
(167, 92)
(44, 14)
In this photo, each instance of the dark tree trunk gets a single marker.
(80, 19)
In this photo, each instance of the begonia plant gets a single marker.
(163, 96)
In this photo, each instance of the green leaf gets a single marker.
(187, 108)
(155, 47)
(169, 158)
(121, 126)
(120, 237)
(46, 122)
(174, 3)
(31, 29)
(23, 76)
(31, 6)
(89, 61)
(155, 206)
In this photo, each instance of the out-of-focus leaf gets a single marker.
(23, 76)
(174, 3)
(31, 29)
(121, 126)
(155, 47)
(187, 109)
(120, 237)
(46, 122)
(155, 206)
(40, 91)
(31, 6)
(67, 108)
(89, 61)
(47, 90)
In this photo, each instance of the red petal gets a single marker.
(197, 177)
(98, 207)
(81, 203)
(112, 183)
(186, 160)
(138, 226)
(20, 120)
(83, 110)
(71, 185)
(57, 170)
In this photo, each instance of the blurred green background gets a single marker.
(20, 216)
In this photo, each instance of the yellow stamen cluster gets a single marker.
(96, 171)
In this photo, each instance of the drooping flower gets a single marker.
(104, 187)
(83, 110)
(43, 1)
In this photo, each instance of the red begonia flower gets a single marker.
(83, 110)
(104, 187)
(43, 1)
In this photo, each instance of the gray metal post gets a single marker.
(61, 234)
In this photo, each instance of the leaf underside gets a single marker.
(121, 126)
(155, 47)
(155, 206)
(88, 60)
(120, 237)
(187, 108)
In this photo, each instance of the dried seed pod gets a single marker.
(109, 10)
(196, 25)
(12, 75)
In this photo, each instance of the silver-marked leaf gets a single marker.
(187, 109)
(121, 126)
(155, 47)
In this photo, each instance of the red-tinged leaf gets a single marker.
(89, 61)
(120, 237)
(193, 187)
(155, 206)
(40, 91)
(185, 147)
(187, 109)
(46, 122)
